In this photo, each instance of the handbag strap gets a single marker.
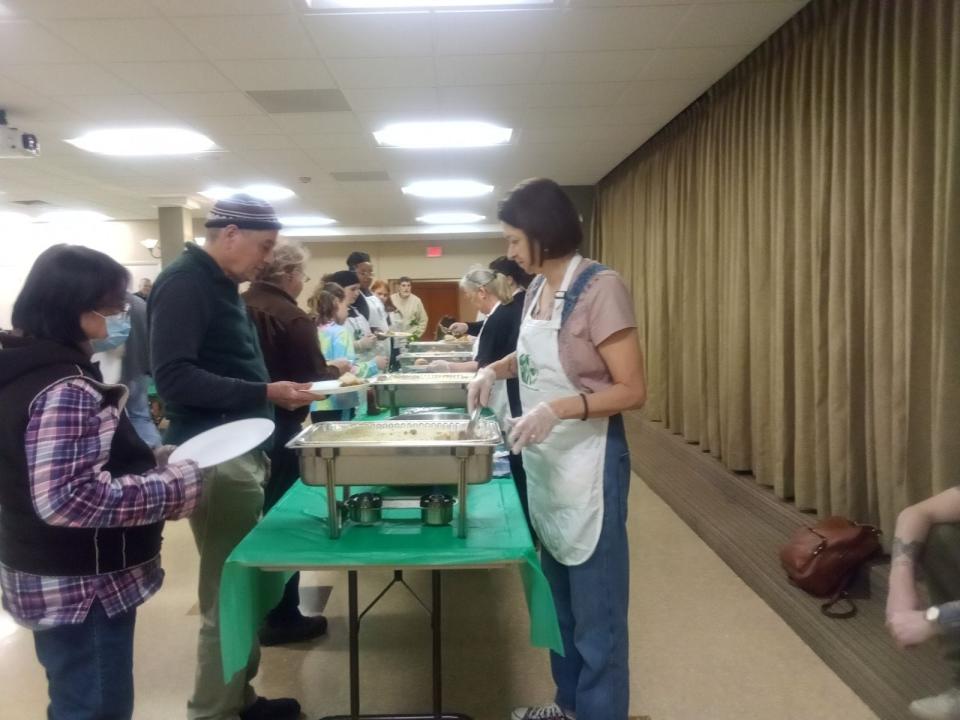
(841, 596)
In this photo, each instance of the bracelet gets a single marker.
(586, 409)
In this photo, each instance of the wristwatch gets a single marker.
(933, 614)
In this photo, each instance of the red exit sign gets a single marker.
(434, 251)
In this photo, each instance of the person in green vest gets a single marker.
(209, 370)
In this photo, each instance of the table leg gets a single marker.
(435, 625)
(354, 632)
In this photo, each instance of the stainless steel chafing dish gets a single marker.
(397, 452)
(408, 360)
(419, 346)
(400, 390)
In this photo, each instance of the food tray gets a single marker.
(396, 452)
(418, 346)
(402, 390)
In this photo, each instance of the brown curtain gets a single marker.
(793, 244)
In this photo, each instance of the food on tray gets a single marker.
(421, 361)
(449, 338)
(393, 432)
(348, 379)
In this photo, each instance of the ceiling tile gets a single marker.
(578, 67)
(248, 38)
(66, 79)
(730, 24)
(315, 123)
(689, 63)
(371, 35)
(236, 125)
(561, 95)
(618, 28)
(382, 72)
(349, 159)
(171, 77)
(278, 74)
(254, 142)
(485, 33)
(481, 97)
(22, 41)
(188, 8)
(60, 9)
(121, 39)
(190, 105)
(516, 69)
(332, 140)
(115, 109)
(407, 99)
(660, 100)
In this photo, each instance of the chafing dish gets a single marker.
(396, 452)
(410, 359)
(419, 346)
(401, 390)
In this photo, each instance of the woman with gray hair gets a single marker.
(291, 350)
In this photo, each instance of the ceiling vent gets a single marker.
(32, 203)
(278, 102)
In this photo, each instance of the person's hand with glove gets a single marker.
(532, 428)
(478, 391)
(439, 366)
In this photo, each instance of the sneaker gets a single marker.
(542, 712)
(945, 706)
(300, 629)
(277, 709)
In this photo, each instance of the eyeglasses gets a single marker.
(123, 313)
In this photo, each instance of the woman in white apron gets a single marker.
(490, 293)
(579, 365)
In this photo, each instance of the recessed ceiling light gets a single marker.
(11, 219)
(306, 221)
(407, 4)
(455, 134)
(447, 189)
(270, 193)
(450, 218)
(133, 142)
(73, 216)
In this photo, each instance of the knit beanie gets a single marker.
(244, 211)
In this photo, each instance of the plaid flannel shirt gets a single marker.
(67, 443)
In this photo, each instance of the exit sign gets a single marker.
(434, 251)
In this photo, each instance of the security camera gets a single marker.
(14, 143)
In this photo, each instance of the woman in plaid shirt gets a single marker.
(82, 498)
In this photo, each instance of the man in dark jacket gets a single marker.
(209, 370)
(288, 338)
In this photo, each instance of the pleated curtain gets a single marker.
(792, 241)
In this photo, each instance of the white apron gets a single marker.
(499, 402)
(565, 471)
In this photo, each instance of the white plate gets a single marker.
(333, 387)
(224, 442)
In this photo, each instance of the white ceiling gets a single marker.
(583, 83)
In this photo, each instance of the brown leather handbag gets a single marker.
(824, 559)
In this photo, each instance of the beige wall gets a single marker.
(119, 240)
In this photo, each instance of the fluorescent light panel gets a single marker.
(140, 142)
(73, 216)
(413, 4)
(450, 218)
(447, 189)
(292, 221)
(270, 193)
(455, 134)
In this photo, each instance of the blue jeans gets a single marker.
(593, 678)
(89, 667)
(138, 408)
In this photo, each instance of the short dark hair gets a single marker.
(65, 282)
(508, 267)
(404, 279)
(543, 211)
(357, 257)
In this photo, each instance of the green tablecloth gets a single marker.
(294, 535)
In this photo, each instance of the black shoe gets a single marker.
(279, 709)
(301, 629)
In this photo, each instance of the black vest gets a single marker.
(29, 544)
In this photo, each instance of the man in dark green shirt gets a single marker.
(209, 370)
